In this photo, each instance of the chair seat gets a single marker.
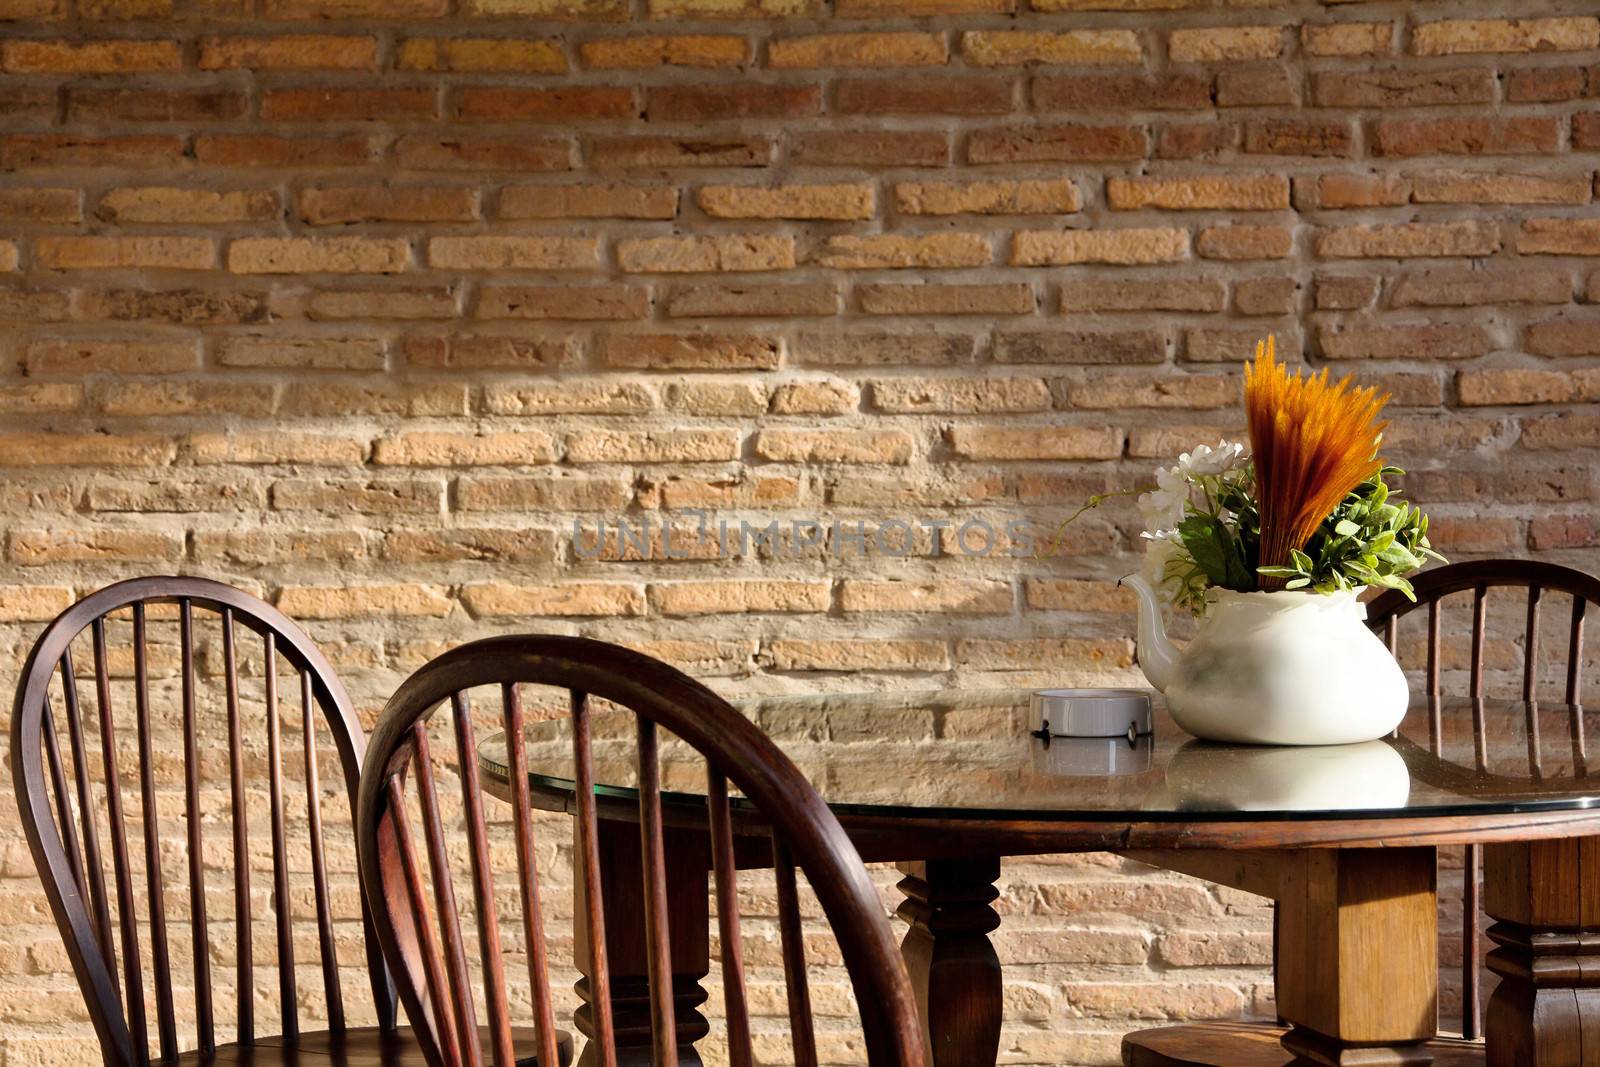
(361, 1047)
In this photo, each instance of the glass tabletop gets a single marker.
(971, 754)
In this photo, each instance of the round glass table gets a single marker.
(945, 783)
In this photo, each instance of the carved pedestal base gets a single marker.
(621, 873)
(1546, 1010)
(1545, 898)
(1308, 1046)
(954, 969)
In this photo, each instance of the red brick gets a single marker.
(1139, 294)
(79, 357)
(300, 52)
(1562, 237)
(912, 95)
(1541, 85)
(21, 151)
(42, 10)
(1402, 88)
(575, 104)
(183, 307)
(588, 201)
(340, 205)
(349, 105)
(1465, 288)
(311, 10)
(1124, 92)
(488, 351)
(1465, 136)
(1300, 137)
(1046, 144)
(1265, 296)
(706, 151)
(563, 302)
(689, 351)
(1440, 186)
(1586, 130)
(1404, 341)
(267, 150)
(1198, 140)
(30, 102)
(1563, 531)
(40, 205)
(89, 57)
(757, 300)
(1352, 191)
(1244, 242)
(426, 151)
(186, 206)
(1564, 337)
(154, 105)
(1568, 431)
(680, 50)
(481, 55)
(701, 103)
(1256, 87)
(871, 148)
(128, 10)
(1085, 347)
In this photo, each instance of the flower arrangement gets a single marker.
(1307, 507)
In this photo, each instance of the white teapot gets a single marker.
(1274, 668)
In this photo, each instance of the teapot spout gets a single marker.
(1158, 656)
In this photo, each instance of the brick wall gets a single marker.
(362, 303)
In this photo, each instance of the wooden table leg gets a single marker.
(688, 918)
(954, 969)
(1545, 899)
(1357, 956)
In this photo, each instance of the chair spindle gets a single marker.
(494, 983)
(528, 867)
(792, 937)
(132, 968)
(726, 874)
(594, 907)
(444, 895)
(205, 1022)
(160, 965)
(663, 1018)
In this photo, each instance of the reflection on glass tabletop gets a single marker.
(970, 754)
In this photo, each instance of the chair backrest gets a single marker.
(63, 821)
(1479, 576)
(426, 952)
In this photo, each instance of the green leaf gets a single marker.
(1346, 528)
(1204, 537)
(1298, 583)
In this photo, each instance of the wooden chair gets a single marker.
(427, 951)
(1477, 576)
(61, 818)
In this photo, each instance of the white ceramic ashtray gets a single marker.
(1094, 757)
(1091, 712)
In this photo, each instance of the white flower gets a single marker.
(1163, 508)
(1157, 554)
(1206, 461)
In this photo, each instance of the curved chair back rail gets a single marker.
(1478, 577)
(61, 813)
(427, 953)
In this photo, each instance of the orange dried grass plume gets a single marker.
(1313, 443)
